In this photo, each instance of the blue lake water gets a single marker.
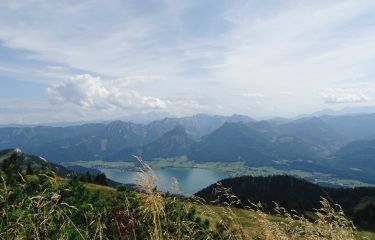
(190, 180)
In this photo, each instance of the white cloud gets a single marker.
(341, 95)
(284, 53)
(255, 95)
(91, 93)
(287, 93)
(300, 48)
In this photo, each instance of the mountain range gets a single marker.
(340, 144)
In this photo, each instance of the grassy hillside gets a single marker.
(247, 220)
(296, 194)
(39, 205)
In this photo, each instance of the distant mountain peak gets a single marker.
(178, 130)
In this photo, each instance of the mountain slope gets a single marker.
(353, 127)
(290, 193)
(356, 158)
(315, 132)
(173, 143)
(96, 145)
(28, 138)
(26, 160)
(240, 142)
(306, 144)
(98, 141)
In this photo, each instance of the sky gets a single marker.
(88, 60)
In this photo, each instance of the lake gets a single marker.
(190, 180)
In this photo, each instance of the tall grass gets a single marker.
(151, 214)
(331, 222)
(34, 216)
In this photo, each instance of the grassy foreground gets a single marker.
(39, 205)
(247, 220)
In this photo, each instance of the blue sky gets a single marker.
(89, 60)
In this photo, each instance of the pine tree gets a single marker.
(29, 169)
(100, 179)
(88, 177)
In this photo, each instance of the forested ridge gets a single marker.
(297, 194)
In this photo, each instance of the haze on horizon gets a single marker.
(87, 60)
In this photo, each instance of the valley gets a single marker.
(319, 149)
(231, 169)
